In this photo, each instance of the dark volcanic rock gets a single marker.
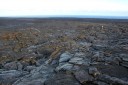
(100, 83)
(112, 80)
(125, 64)
(83, 77)
(113, 70)
(62, 79)
(13, 66)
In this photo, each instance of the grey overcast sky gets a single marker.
(63, 7)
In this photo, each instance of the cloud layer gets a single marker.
(63, 7)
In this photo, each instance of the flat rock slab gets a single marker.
(79, 61)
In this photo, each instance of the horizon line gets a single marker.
(67, 16)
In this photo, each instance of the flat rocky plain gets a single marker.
(63, 51)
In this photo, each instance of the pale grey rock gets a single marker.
(79, 61)
(76, 60)
(65, 57)
(65, 66)
(29, 68)
(19, 66)
(80, 54)
(97, 54)
(37, 76)
(85, 44)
